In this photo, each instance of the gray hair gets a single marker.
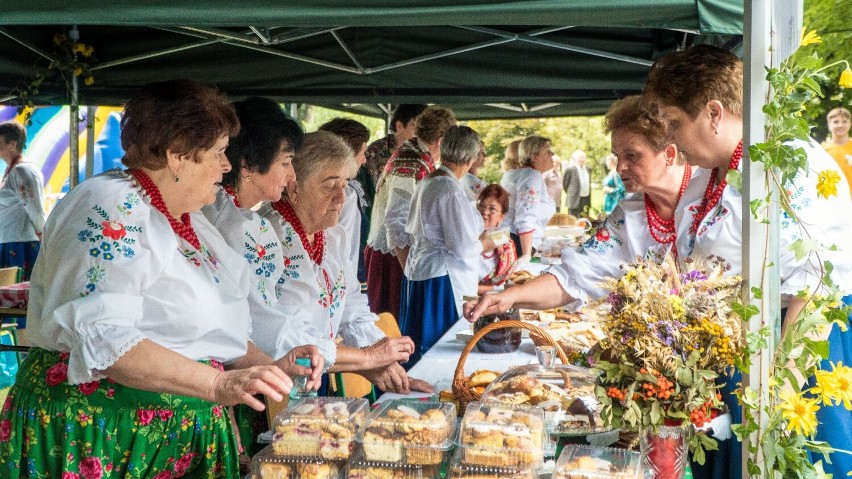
(459, 145)
(321, 150)
(530, 146)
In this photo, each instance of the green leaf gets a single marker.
(757, 292)
(735, 179)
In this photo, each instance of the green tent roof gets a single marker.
(483, 58)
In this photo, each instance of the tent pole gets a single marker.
(90, 141)
(74, 129)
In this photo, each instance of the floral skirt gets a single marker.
(102, 429)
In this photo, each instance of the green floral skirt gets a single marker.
(101, 429)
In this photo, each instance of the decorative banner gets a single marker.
(48, 144)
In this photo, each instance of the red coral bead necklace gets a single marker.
(182, 228)
(230, 190)
(713, 193)
(664, 231)
(285, 209)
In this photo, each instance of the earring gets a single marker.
(717, 132)
(176, 178)
(248, 177)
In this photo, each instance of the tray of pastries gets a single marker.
(502, 435)
(409, 432)
(458, 469)
(359, 467)
(584, 462)
(321, 427)
(565, 393)
(268, 465)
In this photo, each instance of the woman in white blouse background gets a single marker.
(21, 202)
(136, 303)
(261, 159)
(319, 286)
(443, 263)
(530, 207)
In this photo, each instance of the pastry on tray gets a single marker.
(500, 435)
(413, 433)
(319, 427)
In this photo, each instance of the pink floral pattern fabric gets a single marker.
(103, 430)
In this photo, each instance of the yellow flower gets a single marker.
(78, 71)
(78, 48)
(809, 38)
(90, 80)
(89, 50)
(827, 183)
(59, 38)
(799, 412)
(826, 387)
(846, 78)
(843, 381)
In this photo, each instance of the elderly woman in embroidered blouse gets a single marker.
(320, 287)
(645, 224)
(136, 302)
(442, 267)
(261, 159)
(495, 265)
(510, 165)
(530, 207)
(21, 202)
(705, 116)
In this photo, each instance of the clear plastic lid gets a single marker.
(360, 467)
(459, 469)
(322, 427)
(565, 393)
(584, 462)
(502, 435)
(410, 432)
(268, 465)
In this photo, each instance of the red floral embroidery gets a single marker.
(57, 374)
(89, 388)
(261, 251)
(90, 468)
(113, 230)
(217, 411)
(145, 416)
(602, 234)
(70, 475)
(421, 174)
(164, 475)
(110, 392)
(7, 404)
(165, 414)
(5, 430)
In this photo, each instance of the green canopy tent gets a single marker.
(486, 59)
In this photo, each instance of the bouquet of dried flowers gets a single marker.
(670, 334)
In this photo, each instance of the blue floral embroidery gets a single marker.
(110, 238)
(338, 294)
(603, 240)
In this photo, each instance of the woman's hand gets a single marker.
(241, 385)
(487, 304)
(388, 351)
(392, 379)
(314, 373)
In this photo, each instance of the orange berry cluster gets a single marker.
(662, 390)
(701, 415)
(615, 393)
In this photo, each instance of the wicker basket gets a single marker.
(462, 393)
(573, 354)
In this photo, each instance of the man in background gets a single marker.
(577, 185)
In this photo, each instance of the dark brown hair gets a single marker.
(353, 133)
(690, 78)
(13, 131)
(183, 116)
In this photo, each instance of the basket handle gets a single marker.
(459, 377)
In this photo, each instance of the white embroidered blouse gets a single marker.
(22, 204)
(251, 236)
(720, 232)
(325, 298)
(446, 228)
(530, 207)
(473, 186)
(112, 272)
